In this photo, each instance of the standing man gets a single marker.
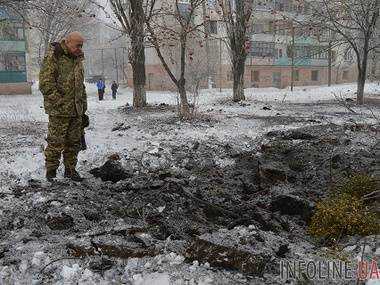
(65, 101)
(101, 88)
(114, 88)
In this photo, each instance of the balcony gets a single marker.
(12, 76)
(12, 46)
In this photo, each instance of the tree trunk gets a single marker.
(362, 75)
(329, 65)
(137, 57)
(139, 96)
(238, 86)
(138, 70)
(184, 104)
(360, 91)
(374, 65)
(139, 79)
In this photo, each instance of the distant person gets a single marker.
(101, 88)
(114, 88)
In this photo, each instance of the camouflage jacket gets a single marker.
(62, 82)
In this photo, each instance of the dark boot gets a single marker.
(51, 175)
(73, 175)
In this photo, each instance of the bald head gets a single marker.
(74, 42)
(75, 36)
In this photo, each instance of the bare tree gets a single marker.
(353, 22)
(53, 19)
(132, 16)
(170, 28)
(237, 16)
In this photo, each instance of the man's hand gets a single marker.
(83, 145)
(85, 121)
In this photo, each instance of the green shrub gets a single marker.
(343, 215)
(358, 185)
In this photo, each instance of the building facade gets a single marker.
(278, 44)
(281, 42)
(13, 70)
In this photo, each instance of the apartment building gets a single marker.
(278, 43)
(13, 71)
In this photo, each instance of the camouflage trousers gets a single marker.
(64, 136)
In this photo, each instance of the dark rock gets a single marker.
(349, 100)
(335, 160)
(112, 246)
(347, 142)
(283, 250)
(59, 221)
(120, 127)
(196, 145)
(114, 156)
(273, 172)
(313, 121)
(112, 171)
(329, 140)
(190, 164)
(92, 215)
(164, 174)
(266, 108)
(289, 204)
(265, 220)
(156, 184)
(244, 259)
(291, 135)
(101, 265)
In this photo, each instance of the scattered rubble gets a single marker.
(211, 204)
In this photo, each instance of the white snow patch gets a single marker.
(153, 278)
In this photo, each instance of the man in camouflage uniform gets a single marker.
(65, 101)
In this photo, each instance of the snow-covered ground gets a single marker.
(24, 125)
(234, 122)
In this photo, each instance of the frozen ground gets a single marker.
(24, 123)
(115, 128)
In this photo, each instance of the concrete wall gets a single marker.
(15, 88)
(157, 78)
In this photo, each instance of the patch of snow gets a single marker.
(153, 278)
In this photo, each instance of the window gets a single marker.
(211, 3)
(212, 27)
(314, 75)
(258, 28)
(296, 75)
(262, 49)
(265, 5)
(306, 8)
(280, 53)
(348, 55)
(301, 51)
(11, 31)
(345, 75)
(281, 27)
(184, 9)
(255, 76)
(12, 62)
(305, 51)
(319, 52)
(230, 76)
(283, 5)
(270, 27)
